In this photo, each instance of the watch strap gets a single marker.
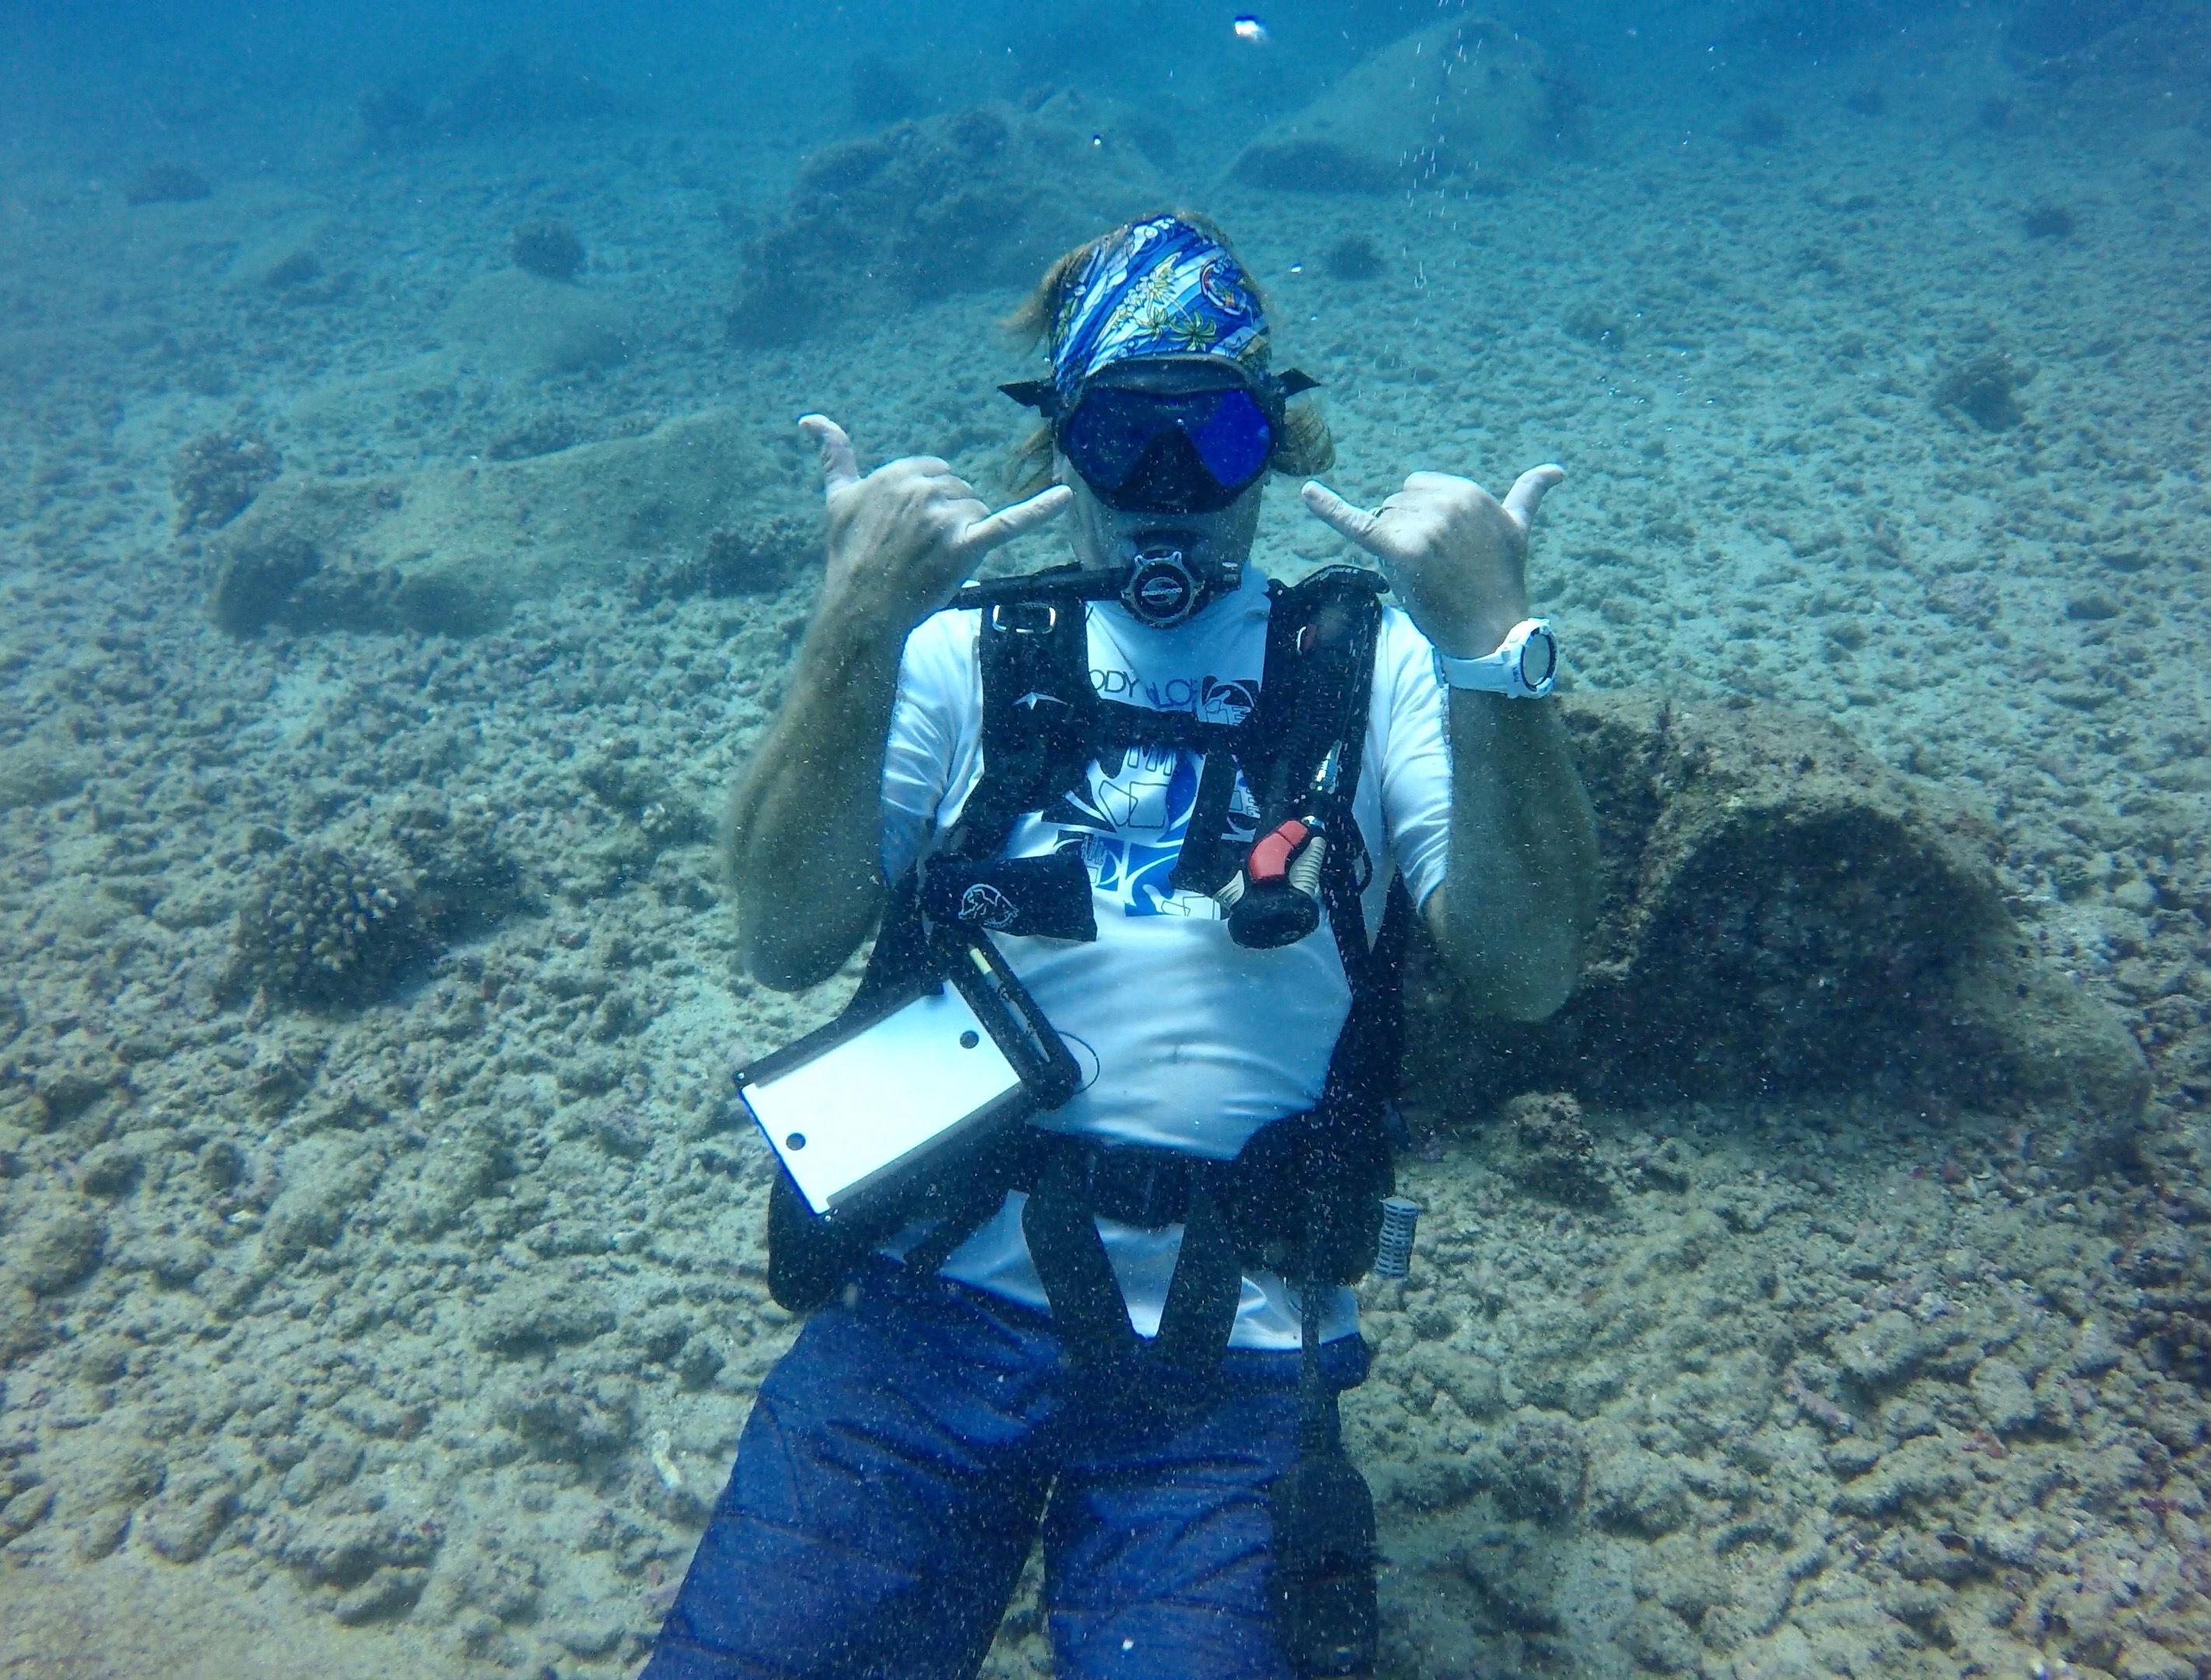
(1524, 666)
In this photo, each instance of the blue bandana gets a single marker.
(1155, 289)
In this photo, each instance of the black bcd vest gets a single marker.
(1304, 1197)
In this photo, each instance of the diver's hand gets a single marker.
(903, 539)
(1456, 555)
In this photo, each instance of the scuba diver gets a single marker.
(1196, 811)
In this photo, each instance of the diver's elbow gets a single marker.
(783, 954)
(1531, 991)
(788, 965)
(1530, 1003)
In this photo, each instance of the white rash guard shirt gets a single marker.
(1197, 1042)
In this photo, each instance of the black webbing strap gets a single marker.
(1037, 706)
(980, 1196)
(1204, 1292)
(1043, 724)
(1315, 690)
(1090, 1317)
(900, 955)
(1363, 1072)
(1341, 897)
(1320, 1422)
(1285, 718)
(1323, 1583)
(1088, 1313)
(1315, 694)
(1205, 864)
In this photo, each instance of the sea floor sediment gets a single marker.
(392, 1293)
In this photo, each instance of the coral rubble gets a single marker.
(1353, 257)
(755, 558)
(166, 183)
(1984, 388)
(549, 249)
(1547, 1147)
(216, 476)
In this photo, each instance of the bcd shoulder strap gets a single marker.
(1037, 714)
(1043, 723)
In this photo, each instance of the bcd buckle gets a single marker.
(1025, 618)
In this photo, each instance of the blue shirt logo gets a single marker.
(1131, 820)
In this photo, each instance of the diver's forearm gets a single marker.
(805, 823)
(1522, 891)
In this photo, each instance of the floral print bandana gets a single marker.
(1155, 289)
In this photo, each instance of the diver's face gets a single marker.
(1210, 540)
(1103, 535)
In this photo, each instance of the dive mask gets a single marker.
(1144, 452)
(1164, 455)
(1166, 451)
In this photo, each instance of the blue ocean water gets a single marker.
(407, 543)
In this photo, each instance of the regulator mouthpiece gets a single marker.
(1171, 579)
(1162, 589)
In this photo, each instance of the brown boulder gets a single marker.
(522, 324)
(449, 549)
(1466, 98)
(973, 200)
(1781, 911)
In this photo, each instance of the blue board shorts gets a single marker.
(896, 1468)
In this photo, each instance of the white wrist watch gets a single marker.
(1524, 667)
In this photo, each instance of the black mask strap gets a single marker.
(1042, 395)
(1038, 394)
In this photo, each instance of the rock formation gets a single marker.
(1467, 97)
(1782, 911)
(966, 201)
(447, 549)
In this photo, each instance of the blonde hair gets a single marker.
(1303, 445)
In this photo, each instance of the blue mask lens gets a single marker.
(1151, 451)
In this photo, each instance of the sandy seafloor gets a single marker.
(416, 1339)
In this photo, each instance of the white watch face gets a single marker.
(1538, 658)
